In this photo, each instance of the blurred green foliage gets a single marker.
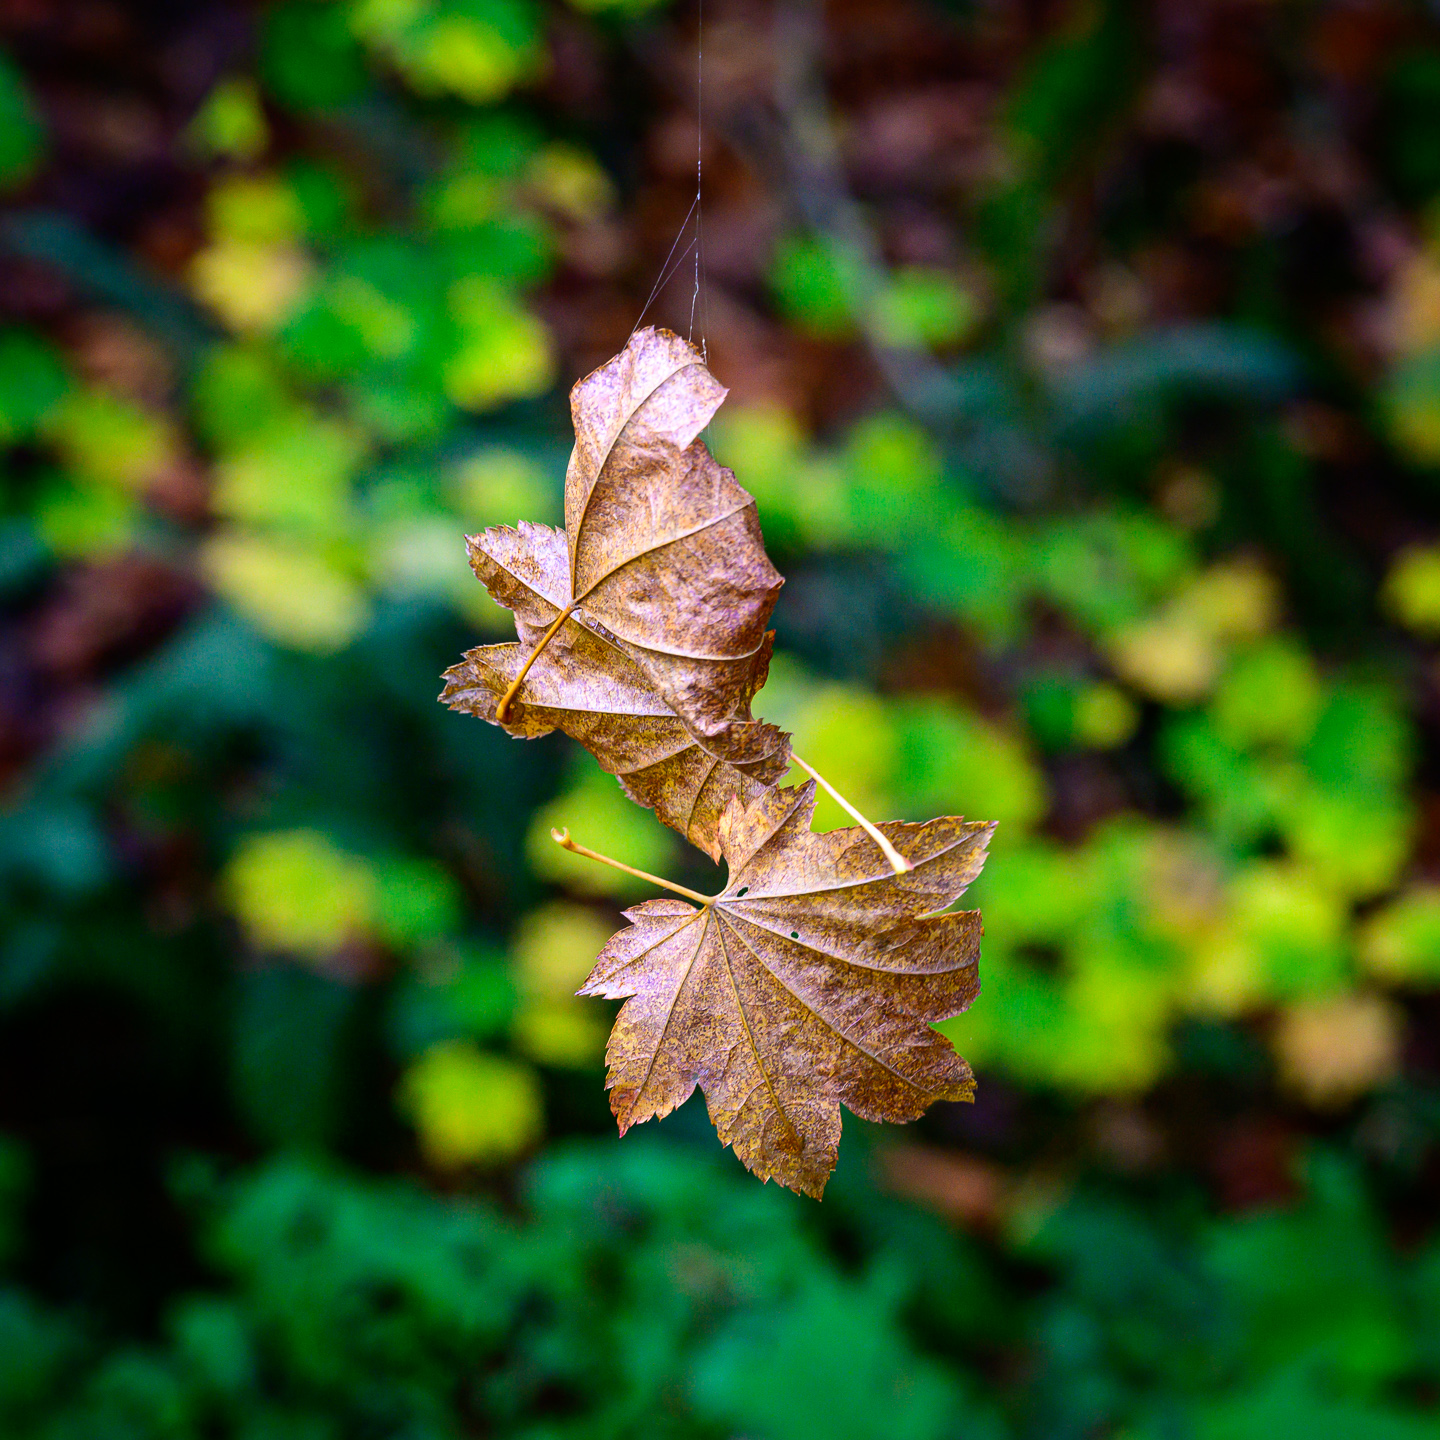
(1106, 490)
(22, 139)
(650, 1287)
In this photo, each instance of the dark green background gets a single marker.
(1085, 363)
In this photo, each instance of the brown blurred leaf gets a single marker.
(109, 611)
(966, 1189)
(810, 982)
(663, 556)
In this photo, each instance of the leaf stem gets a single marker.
(562, 838)
(503, 708)
(898, 863)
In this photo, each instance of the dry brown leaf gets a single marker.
(662, 551)
(586, 686)
(811, 981)
(588, 689)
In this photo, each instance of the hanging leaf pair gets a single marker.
(812, 979)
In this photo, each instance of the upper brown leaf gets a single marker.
(662, 550)
(591, 692)
(810, 982)
(585, 685)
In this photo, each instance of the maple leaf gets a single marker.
(662, 552)
(809, 982)
(589, 689)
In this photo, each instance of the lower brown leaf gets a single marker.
(810, 982)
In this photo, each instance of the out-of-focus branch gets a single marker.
(788, 136)
(818, 183)
(104, 272)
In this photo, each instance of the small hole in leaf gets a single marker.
(794, 934)
(741, 891)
